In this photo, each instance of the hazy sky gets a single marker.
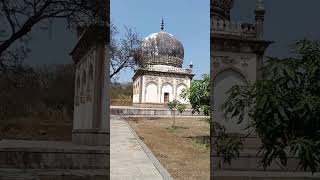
(286, 21)
(187, 20)
(51, 47)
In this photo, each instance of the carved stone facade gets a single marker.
(236, 57)
(152, 88)
(91, 114)
(83, 107)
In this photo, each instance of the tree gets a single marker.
(123, 50)
(174, 106)
(199, 95)
(226, 145)
(59, 91)
(284, 107)
(53, 86)
(18, 18)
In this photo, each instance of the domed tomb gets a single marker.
(161, 48)
(160, 77)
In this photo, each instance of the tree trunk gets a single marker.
(174, 117)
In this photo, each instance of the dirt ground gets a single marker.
(36, 129)
(183, 150)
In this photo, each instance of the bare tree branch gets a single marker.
(7, 14)
(20, 16)
(123, 50)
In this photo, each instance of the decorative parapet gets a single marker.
(156, 59)
(89, 38)
(167, 69)
(223, 27)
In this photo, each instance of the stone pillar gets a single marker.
(105, 121)
(259, 16)
(98, 84)
(140, 89)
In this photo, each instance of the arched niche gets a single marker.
(77, 90)
(179, 89)
(166, 93)
(90, 83)
(222, 83)
(83, 86)
(151, 92)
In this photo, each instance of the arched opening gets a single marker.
(166, 93)
(151, 92)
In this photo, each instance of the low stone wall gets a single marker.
(139, 111)
(23, 154)
(248, 166)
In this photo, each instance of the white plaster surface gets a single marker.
(166, 88)
(152, 93)
(154, 87)
(241, 69)
(135, 98)
(180, 88)
(222, 84)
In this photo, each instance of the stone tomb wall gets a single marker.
(230, 69)
(151, 89)
(84, 88)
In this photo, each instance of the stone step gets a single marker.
(25, 154)
(263, 175)
(53, 174)
(251, 142)
(250, 160)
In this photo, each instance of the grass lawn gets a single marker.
(183, 150)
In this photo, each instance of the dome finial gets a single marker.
(191, 64)
(162, 24)
(260, 5)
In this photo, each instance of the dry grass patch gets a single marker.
(34, 128)
(183, 149)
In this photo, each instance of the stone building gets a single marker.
(160, 77)
(91, 102)
(237, 52)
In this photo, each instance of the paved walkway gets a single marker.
(128, 161)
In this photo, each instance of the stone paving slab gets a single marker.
(128, 160)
